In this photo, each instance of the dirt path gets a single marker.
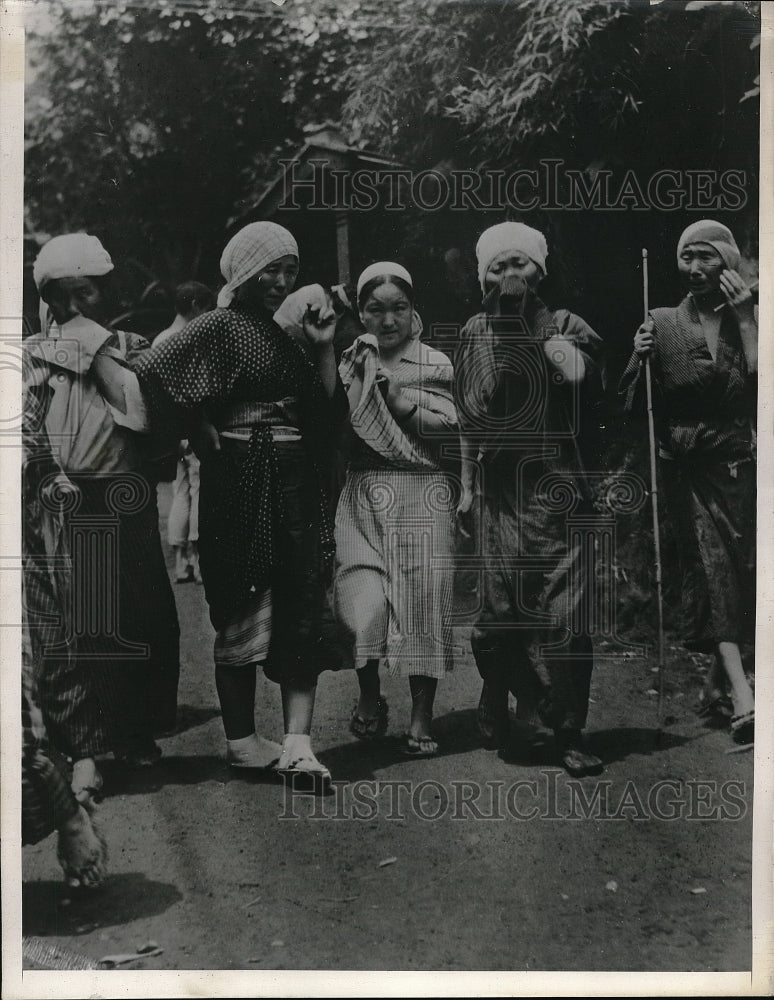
(225, 872)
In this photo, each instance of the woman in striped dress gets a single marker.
(394, 523)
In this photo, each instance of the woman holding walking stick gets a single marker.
(704, 360)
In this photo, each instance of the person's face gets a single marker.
(700, 267)
(271, 286)
(76, 296)
(512, 264)
(387, 314)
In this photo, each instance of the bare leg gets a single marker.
(370, 690)
(422, 697)
(298, 707)
(236, 692)
(730, 659)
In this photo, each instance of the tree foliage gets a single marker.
(157, 123)
(506, 81)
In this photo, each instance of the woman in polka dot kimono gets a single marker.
(262, 415)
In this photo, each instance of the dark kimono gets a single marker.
(265, 532)
(704, 411)
(535, 438)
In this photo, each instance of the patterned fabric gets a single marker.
(425, 377)
(47, 799)
(223, 362)
(704, 412)
(61, 682)
(394, 523)
(86, 432)
(245, 639)
(702, 406)
(118, 639)
(534, 436)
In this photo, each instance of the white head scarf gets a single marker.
(384, 269)
(510, 236)
(74, 255)
(251, 250)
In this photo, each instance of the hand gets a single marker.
(737, 292)
(644, 338)
(319, 326)
(397, 403)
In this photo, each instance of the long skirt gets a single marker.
(288, 625)
(393, 583)
(122, 621)
(712, 507)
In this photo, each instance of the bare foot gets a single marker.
(82, 851)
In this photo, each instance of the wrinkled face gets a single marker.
(516, 265)
(700, 267)
(271, 286)
(387, 314)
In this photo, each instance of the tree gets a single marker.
(156, 124)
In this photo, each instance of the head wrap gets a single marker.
(250, 251)
(74, 255)
(389, 269)
(510, 236)
(717, 235)
(383, 268)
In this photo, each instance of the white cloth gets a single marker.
(290, 315)
(383, 267)
(251, 250)
(74, 255)
(86, 432)
(510, 236)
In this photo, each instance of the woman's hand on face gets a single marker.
(737, 292)
(644, 338)
(320, 326)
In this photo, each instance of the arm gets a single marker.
(467, 474)
(740, 300)
(319, 330)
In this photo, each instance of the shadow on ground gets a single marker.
(122, 898)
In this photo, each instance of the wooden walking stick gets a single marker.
(654, 503)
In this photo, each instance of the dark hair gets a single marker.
(191, 294)
(384, 279)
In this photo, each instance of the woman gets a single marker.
(704, 362)
(526, 381)
(393, 581)
(261, 416)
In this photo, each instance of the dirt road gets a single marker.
(466, 861)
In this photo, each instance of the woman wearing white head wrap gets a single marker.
(527, 381)
(93, 411)
(266, 416)
(704, 370)
(394, 513)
